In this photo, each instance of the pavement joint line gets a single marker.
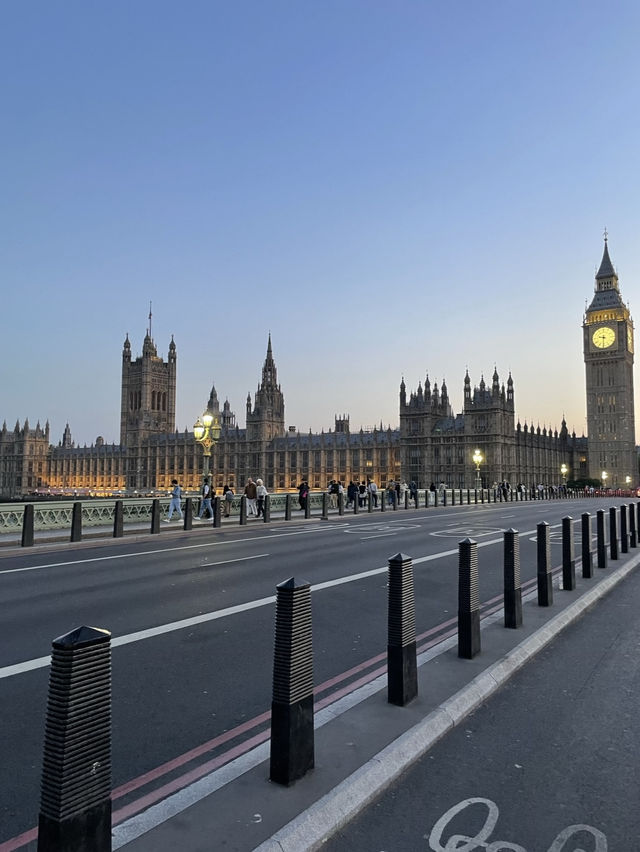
(310, 829)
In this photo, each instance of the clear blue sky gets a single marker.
(390, 188)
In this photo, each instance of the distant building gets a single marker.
(432, 443)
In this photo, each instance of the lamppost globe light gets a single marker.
(207, 419)
(477, 457)
(198, 430)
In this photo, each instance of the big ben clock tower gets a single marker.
(608, 359)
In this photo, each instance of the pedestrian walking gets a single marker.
(174, 505)
(251, 493)
(227, 493)
(206, 494)
(261, 493)
(303, 494)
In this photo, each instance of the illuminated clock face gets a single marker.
(603, 337)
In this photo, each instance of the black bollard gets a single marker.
(287, 508)
(406, 499)
(292, 738)
(325, 507)
(602, 543)
(382, 499)
(633, 540)
(266, 512)
(216, 505)
(444, 497)
(468, 600)
(482, 495)
(155, 516)
(453, 496)
(187, 521)
(587, 555)
(568, 556)
(394, 500)
(341, 504)
(75, 799)
(402, 664)
(27, 526)
(118, 519)
(624, 535)
(468, 497)
(545, 577)
(475, 496)
(243, 510)
(76, 522)
(307, 505)
(369, 502)
(512, 587)
(613, 533)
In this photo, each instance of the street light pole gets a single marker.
(478, 459)
(206, 431)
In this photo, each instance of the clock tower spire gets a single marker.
(608, 357)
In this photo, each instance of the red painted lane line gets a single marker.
(188, 778)
(153, 774)
(20, 840)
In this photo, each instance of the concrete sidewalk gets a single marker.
(362, 744)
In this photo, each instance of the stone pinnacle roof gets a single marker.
(606, 267)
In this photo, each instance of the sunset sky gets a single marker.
(389, 187)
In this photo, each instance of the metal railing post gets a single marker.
(118, 519)
(155, 516)
(187, 522)
(27, 526)
(76, 522)
(292, 737)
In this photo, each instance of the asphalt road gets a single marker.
(548, 763)
(206, 683)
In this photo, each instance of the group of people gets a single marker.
(207, 493)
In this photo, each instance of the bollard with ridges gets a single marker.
(602, 542)
(75, 801)
(568, 556)
(544, 575)
(292, 737)
(341, 503)
(624, 535)
(468, 600)
(243, 510)
(287, 508)
(266, 512)
(613, 533)
(307, 504)
(512, 585)
(587, 555)
(633, 541)
(216, 505)
(402, 666)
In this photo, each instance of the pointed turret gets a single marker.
(606, 267)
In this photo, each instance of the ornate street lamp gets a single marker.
(564, 470)
(477, 460)
(604, 478)
(627, 479)
(206, 431)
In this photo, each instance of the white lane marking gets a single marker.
(134, 555)
(229, 561)
(380, 535)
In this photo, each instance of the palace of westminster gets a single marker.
(432, 443)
